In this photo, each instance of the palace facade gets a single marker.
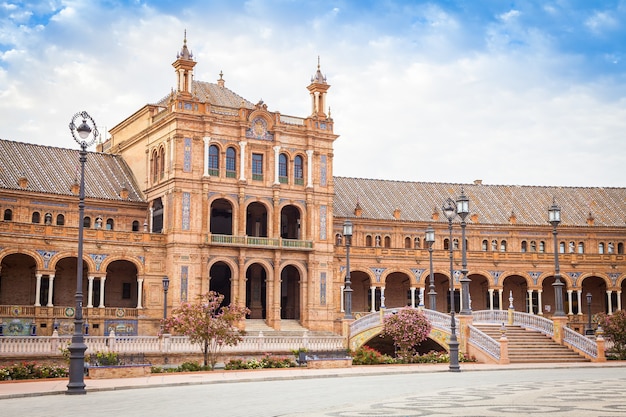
(218, 193)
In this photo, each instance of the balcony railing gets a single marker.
(259, 241)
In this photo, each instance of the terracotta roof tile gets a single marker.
(492, 203)
(54, 170)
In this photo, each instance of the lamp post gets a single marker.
(77, 347)
(462, 209)
(432, 294)
(589, 331)
(554, 218)
(449, 210)
(166, 286)
(347, 233)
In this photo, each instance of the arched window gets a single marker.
(60, 220)
(620, 248)
(109, 224)
(282, 168)
(524, 246)
(581, 247)
(155, 166)
(161, 163)
(542, 246)
(503, 246)
(485, 245)
(446, 244)
(368, 240)
(416, 243)
(601, 248)
(298, 172)
(135, 226)
(387, 242)
(561, 247)
(231, 163)
(407, 243)
(8, 215)
(87, 221)
(214, 160)
(36, 217)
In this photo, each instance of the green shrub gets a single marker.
(30, 370)
(103, 358)
(366, 355)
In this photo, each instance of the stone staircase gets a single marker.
(530, 346)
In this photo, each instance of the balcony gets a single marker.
(259, 242)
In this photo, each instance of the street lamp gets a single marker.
(589, 331)
(462, 209)
(77, 348)
(166, 286)
(432, 294)
(347, 233)
(449, 210)
(554, 218)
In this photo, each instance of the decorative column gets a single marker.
(206, 156)
(102, 279)
(276, 156)
(38, 290)
(530, 302)
(50, 290)
(500, 290)
(539, 302)
(569, 300)
(139, 292)
(373, 298)
(579, 294)
(490, 290)
(382, 297)
(242, 160)
(309, 168)
(619, 300)
(90, 291)
(610, 301)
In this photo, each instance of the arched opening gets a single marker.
(121, 285)
(60, 220)
(220, 280)
(547, 297)
(360, 284)
(256, 302)
(398, 290)
(517, 286)
(290, 293)
(36, 218)
(256, 220)
(17, 285)
(290, 222)
(479, 292)
(596, 286)
(221, 217)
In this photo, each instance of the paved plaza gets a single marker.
(417, 390)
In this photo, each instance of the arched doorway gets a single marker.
(290, 223)
(121, 287)
(595, 286)
(398, 290)
(360, 284)
(517, 287)
(256, 220)
(17, 284)
(64, 285)
(290, 293)
(221, 217)
(256, 291)
(548, 299)
(219, 280)
(479, 292)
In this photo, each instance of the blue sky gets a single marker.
(510, 92)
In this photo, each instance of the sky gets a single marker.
(527, 92)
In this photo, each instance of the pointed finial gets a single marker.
(221, 75)
(318, 62)
(185, 37)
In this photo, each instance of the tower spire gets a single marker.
(317, 90)
(184, 68)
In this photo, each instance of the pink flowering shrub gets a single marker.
(208, 324)
(407, 328)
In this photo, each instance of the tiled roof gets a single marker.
(492, 203)
(54, 170)
(215, 95)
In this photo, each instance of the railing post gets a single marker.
(111, 341)
(54, 341)
(261, 341)
(601, 346)
(559, 323)
(504, 346)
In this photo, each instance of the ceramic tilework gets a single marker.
(186, 211)
(187, 160)
(184, 282)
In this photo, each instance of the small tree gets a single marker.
(407, 328)
(209, 324)
(614, 327)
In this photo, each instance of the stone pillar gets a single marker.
(413, 297)
(373, 298)
(242, 160)
(504, 347)
(530, 302)
(205, 158)
(90, 291)
(579, 294)
(539, 302)
(276, 157)
(500, 290)
(139, 292)
(559, 324)
(569, 300)
(490, 290)
(38, 290)
(382, 298)
(102, 279)
(619, 300)
(309, 168)
(341, 301)
(50, 289)
(610, 301)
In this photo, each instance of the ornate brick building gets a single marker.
(218, 193)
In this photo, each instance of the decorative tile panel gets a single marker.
(186, 211)
(184, 282)
(187, 155)
(323, 210)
